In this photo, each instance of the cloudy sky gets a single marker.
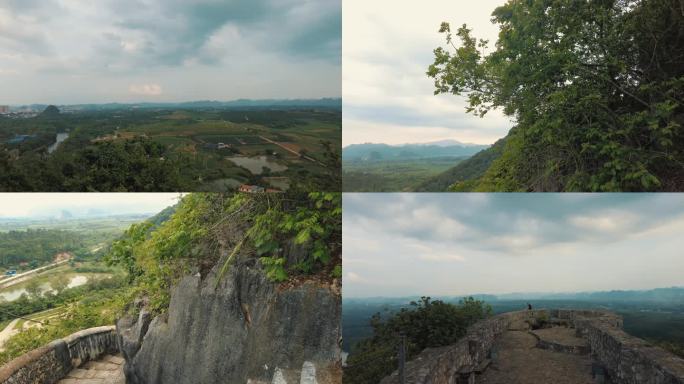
(457, 244)
(42, 205)
(387, 96)
(79, 51)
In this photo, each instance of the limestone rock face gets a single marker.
(246, 329)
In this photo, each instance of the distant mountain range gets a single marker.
(671, 294)
(329, 103)
(659, 294)
(386, 152)
(66, 215)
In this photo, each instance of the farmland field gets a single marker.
(170, 149)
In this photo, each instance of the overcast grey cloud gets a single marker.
(76, 51)
(388, 98)
(439, 244)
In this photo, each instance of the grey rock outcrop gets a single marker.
(245, 329)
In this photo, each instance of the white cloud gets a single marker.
(457, 244)
(69, 52)
(610, 222)
(145, 89)
(387, 49)
(441, 257)
(353, 277)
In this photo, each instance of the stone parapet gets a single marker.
(623, 358)
(54, 361)
(457, 363)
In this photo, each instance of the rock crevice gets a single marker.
(241, 328)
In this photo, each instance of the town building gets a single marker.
(251, 188)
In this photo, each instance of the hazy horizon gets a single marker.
(407, 244)
(65, 53)
(182, 101)
(55, 205)
(475, 294)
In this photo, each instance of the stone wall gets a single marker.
(52, 362)
(627, 359)
(457, 363)
(624, 359)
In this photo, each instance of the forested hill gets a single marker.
(596, 88)
(377, 152)
(466, 173)
(331, 103)
(668, 295)
(38, 247)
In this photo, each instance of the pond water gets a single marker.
(13, 294)
(58, 140)
(255, 164)
(77, 280)
(224, 185)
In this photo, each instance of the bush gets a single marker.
(425, 324)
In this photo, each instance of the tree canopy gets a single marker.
(426, 323)
(596, 88)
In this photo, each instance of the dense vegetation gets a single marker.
(201, 232)
(33, 301)
(465, 174)
(655, 315)
(61, 309)
(393, 168)
(426, 323)
(170, 150)
(208, 229)
(94, 304)
(38, 247)
(596, 88)
(135, 165)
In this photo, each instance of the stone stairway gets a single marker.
(106, 370)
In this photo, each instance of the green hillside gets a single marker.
(596, 89)
(465, 174)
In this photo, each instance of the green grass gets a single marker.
(392, 176)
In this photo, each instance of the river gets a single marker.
(255, 164)
(60, 138)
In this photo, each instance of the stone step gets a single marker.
(81, 381)
(113, 359)
(107, 370)
(100, 366)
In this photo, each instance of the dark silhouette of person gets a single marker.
(529, 306)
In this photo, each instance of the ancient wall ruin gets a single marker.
(621, 358)
(54, 361)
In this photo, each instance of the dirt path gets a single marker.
(21, 277)
(291, 151)
(518, 361)
(8, 332)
